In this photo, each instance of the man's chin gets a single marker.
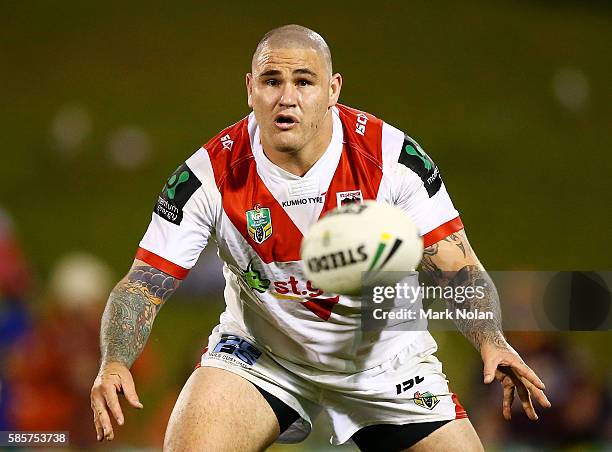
(285, 144)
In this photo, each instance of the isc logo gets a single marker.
(362, 121)
(227, 142)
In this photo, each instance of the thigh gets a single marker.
(220, 411)
(458, 435)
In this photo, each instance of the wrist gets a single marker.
(110, 363)
(492, 340)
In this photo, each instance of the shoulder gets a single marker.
(362, 133)
(224, 142)
(228, 148)
(404, 157)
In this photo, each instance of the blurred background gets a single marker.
(101, 101)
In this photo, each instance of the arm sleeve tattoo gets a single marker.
(477, 329)
(130, 312)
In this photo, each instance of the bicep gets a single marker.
(450, 254)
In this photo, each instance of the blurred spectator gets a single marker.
(15, 280)
(53, 366)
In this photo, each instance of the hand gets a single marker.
(113, 378)
(503, 363)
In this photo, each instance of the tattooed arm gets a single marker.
(452, 262)
(131, 310)
(126, 325)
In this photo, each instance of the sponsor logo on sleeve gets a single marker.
(175, 194)
(415, 158)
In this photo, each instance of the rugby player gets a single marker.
(284, 351)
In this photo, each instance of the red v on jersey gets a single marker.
(242, 189)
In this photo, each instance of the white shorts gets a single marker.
(405, 389)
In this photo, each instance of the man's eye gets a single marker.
(304, 82)
(272, 82)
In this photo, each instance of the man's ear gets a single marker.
(249, 87)
(335, 86)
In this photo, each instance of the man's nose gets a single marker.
(288, 95)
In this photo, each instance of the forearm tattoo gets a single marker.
(130, 312)
(475, 328)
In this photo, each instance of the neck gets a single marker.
(300, 161)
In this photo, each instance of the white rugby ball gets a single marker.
(371, 243)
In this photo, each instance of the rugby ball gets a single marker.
(360, 244)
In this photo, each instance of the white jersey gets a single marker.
(258, 213)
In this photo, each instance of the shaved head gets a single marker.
(293, 37)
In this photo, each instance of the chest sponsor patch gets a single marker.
(415, 158)
(349, 197)
(303, 201)
(175, 194)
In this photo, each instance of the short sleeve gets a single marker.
(183, 218)
(415, 185)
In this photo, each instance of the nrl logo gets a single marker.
(426, 400)
(259, 223)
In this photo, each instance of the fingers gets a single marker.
(525, 389)
(508, 399)
(112, 401)
(490, 367)
(102, 420)
(524, 371)
(129, 390)
(525, 398)
(98, 426)
(537, 394)
(105, 400)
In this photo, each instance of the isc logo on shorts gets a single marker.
(236, 347)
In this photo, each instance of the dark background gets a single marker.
(101, 101)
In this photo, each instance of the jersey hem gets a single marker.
(442, 231)
(162, 264)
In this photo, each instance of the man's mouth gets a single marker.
(285, 122)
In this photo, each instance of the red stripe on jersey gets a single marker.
(460, 412)
(322, 307)
(360, 166)
(244, 190)
(442, 231)
(162, 264)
